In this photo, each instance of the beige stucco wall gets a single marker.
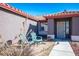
(10, 24)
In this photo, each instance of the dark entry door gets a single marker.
(62, 29)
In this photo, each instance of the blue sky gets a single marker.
(45, 8)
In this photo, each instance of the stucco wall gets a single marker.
(75, 28)
(51, 28)
(10, 24)
(27, 24)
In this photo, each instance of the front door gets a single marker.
(62, 29)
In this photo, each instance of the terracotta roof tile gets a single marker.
(15, 10)
(20, 12)
(63, 14)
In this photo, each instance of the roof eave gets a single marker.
(62, 16)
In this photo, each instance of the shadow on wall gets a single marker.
(34, 28)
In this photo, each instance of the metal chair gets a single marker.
(35, 38)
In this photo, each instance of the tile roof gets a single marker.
(17, 11)
(8, 7)
(63, 14)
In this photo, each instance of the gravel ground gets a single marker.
(75, 47)
(42, 49)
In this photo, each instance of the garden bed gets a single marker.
(42, 49)
(75, 47)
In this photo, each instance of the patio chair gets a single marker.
(35, 38)
(24, 39)
(30, 41)
(32, 38)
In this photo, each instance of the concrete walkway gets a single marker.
(62, 49)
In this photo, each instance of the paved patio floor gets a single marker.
(62, 49)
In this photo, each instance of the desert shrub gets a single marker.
(9, 42)
(20, 42)
(26, 51)
(14, 51)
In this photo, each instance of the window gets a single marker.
(67, 27)
(43, 26)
